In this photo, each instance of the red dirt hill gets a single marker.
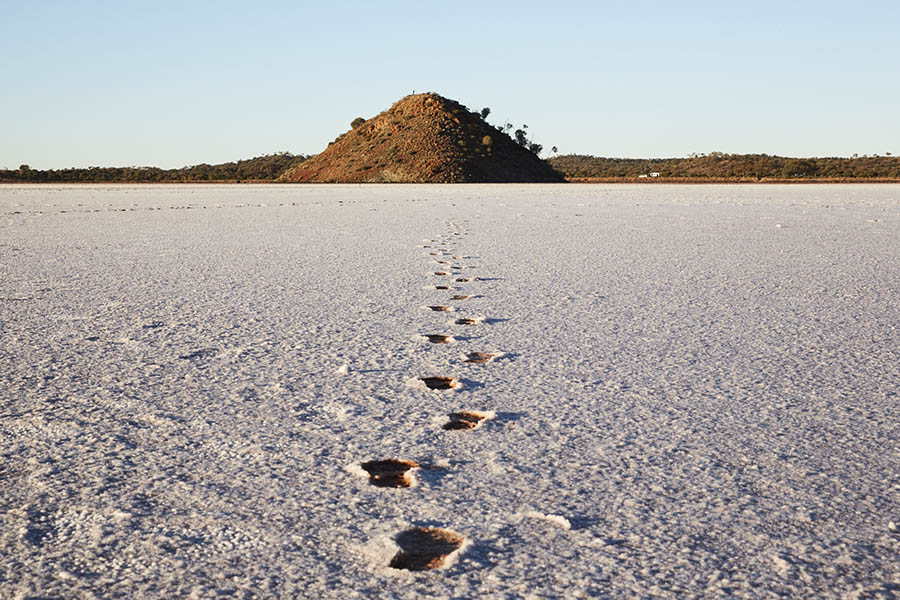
(424, 138)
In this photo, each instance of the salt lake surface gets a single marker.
(694, 393)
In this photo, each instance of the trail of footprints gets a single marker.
(426, 548)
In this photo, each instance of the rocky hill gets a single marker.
(424, 138)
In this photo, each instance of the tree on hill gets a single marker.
(521, 137)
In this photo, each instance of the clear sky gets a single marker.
(176, 83)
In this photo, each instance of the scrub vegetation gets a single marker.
(261, 168)
(719, 165)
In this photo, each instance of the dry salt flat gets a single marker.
(639, 391)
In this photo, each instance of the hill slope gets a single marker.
(424, 138)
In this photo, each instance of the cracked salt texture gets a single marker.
(702, 383)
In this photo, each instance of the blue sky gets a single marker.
(177, 83)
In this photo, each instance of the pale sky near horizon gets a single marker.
(178, 83)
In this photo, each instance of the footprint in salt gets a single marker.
(390, 473)
(467, 419)
(468, 321)
(425, 548)
(441, 383)
(436, 338)
(481, 357)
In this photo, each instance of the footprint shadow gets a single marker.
(432, 475)
(470, 384)
(508, 417)
(492, 321)
(464, 338)
(485, 555)
(200, 355)
(582, 522)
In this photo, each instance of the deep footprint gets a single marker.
(463, 420)
(390, 473)
(480, 357)
(425, 548)
(442, 287)
(440, 273)
(461, 297)
(440, 383)
(466, 321)
(465, 279)
(435, 338)
(439, 308)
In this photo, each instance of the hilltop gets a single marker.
(424, 138)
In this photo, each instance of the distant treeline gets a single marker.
(716, 165)
(730, 166)
(261, 168)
